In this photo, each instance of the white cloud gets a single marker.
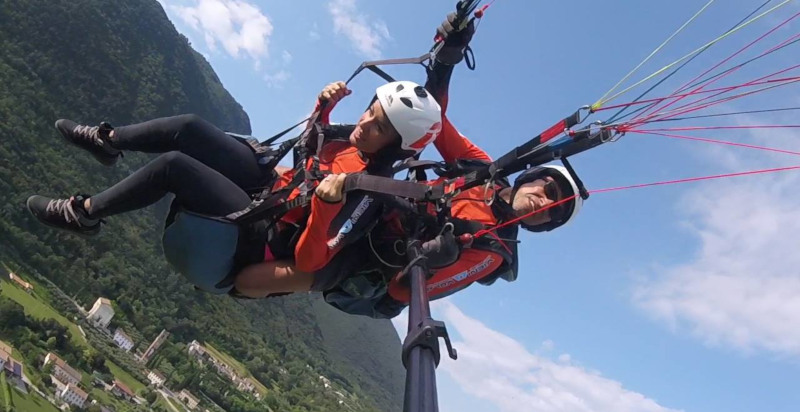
(277, 79)
(742, 289)
(287, 57)
(365, 37)
(314, 33)
(496, 368)
(239, 27)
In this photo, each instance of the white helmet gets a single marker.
(563, 213)
(413, 112)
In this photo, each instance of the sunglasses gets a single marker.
(556, 213)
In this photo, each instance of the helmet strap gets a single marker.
(581, 188)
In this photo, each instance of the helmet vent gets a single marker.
(420, 92)
(400, 87)
(406, 101)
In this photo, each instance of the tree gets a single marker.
(96, 361)
(12, 315)
(151, 397)
(47, 369)
(146, 70)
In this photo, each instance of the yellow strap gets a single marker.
(603, 101)
(600, 101)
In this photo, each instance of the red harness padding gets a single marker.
(472, 265)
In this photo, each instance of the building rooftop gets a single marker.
(124, 388)
(13, 366)
(65, 366)
(121, 332)
(157, 373)
(18, 280)
(78, 391)
(189, 395)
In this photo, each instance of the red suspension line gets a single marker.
(677, 112)
(723, 89)
(639, 186)
(679, 129)
(720, 142)
(696, 179)
(680, 89)
(758, 81)
(750, 83)
(525, 216)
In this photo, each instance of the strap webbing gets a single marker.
(390, 186)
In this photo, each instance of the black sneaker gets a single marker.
(67, 214)
(94, 139)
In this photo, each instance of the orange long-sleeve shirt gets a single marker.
(328, 226)
(474, 263)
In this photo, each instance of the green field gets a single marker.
(236, 365)
(40, 310)
(5, 396)
(166, 404)
(30, 402)
(40, 291)
(106, 399)
(101, 396)
(124, 377)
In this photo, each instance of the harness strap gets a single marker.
(281, 134)
(413, 164)
(390, 186)
(269, 205)
(274, 206)
(373, 66)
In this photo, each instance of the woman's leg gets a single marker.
(197, 188)
(266, 278)
(188, 134)
(263, 279)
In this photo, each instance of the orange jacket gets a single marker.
(474, 263)
(327, 227)
(330, 227)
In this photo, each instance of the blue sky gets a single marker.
(682, 297)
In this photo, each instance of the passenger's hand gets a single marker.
(334, 92)
(455, 40)
(455, 35)
(331, 189)
(441, 251)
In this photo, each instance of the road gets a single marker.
(166, 398)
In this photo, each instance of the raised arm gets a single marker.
(451, 53)
(328, 98)
(451, 144)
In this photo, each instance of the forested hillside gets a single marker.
(123, 62)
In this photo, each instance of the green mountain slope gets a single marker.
(123, 62)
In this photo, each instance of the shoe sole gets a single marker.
(105, 161)
(92, 233)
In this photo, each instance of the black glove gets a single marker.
(441, 251)
(455, 40)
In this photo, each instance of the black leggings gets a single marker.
(205, 168)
